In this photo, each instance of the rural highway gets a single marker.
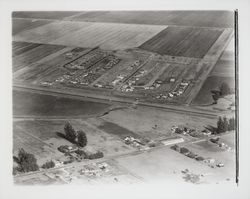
(94, 96)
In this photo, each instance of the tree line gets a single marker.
(224, 124)
(223, 91)
(77, 137)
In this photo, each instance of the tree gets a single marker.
(215, 98)
(81, 138)
(70, 132)
(220, 125)
(224, 89)
(48, 165)
(27, 161)
(231, 125)
(225, 124)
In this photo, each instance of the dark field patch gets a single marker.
(182, 41)
(224, 68)
(204, 97)
(43, 14)
(184, 18)
(19, 25)
(33, 104)
(117, 130)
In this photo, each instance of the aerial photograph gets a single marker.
(124, 97)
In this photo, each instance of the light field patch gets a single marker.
(87, 34)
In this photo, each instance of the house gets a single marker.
(172, 79)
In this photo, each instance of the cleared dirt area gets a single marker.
(33, 104)
(183, 41)
(181, 18)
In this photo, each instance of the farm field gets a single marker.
(34, 55)
(87, 34)
(19, 25)
(49, 32)
(43, 14)
(223, 71)
(33, 104)
(183, 41)
(223, 19)
(21, 47)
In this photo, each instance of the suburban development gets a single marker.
(123, 97)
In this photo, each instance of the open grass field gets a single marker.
(33, 104)
(142, 120)
(179, 18)
(43, 14)
(183, 41)
(19, 25)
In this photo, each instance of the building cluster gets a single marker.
(208, 161)
(179, 89)
(84, 74)
(220, 144)
(95, 170)
(134, 142)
